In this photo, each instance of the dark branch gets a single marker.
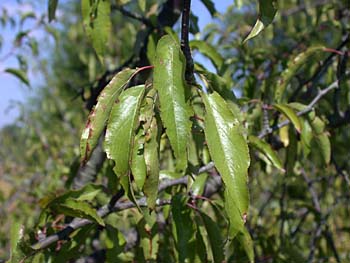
(185, 46)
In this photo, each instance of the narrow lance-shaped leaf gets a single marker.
(267, 12)
(208, 51)
(266, 149)
(324, 146)
(168, 79)
(121, 129)
(290, 114)
(21, 75)
(97, 23)
(246, 242)
(98, 116)
(210, 6)
(184, 229)
(52, 9)
(75, 208)
(138, 164)
(230, 153)
(292, 68)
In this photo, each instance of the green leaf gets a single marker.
(121, 126)
(52, 9)
(168, 80)
(208, 51)
(199, 184)
(324, 147)
(290, 114)
(20, 74)
(292, 68)
(151, 154)
(214, 237)
(100, 113)
(267, 12)
(210, 6)
(76, 208)
(230, 153)
(16, 235)
(184, 228)
(266, 149)
(246, 242)
(138, 164)
(97, 23)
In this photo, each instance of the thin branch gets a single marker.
(132, 15)
(309, 108)
(185, 46)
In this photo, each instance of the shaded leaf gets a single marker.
(185, 230)
(138, 164)
(52, 9)
(292, 68)
(168, 80)
(266, 149)
(290, 114)
(20, 74)
(76, 208)
(246, 242)
(100, 113)
(230, 153)
(210, 6)
(324, 147)
(97, 23)
(120, 131)
(267, 12)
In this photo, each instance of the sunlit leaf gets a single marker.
(290, 114)
(120, 131)
(98, 116)
(168, 79)
(230, 153)
(267, 12)
(266, 149)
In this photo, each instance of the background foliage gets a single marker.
(291, 69)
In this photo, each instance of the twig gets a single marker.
(185, 26)
(309, 108)
(132, 15)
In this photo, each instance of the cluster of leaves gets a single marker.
(174, 184)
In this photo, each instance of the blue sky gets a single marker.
(13, 91)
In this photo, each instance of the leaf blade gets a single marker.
(288, 111)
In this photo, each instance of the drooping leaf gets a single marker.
(292, 68)
(266, 149)
(267, 12)
(210, 6)
(185, 230)
(16, 234)
(290, 114)
(208, 51)
(20, 74)
(97, 23)
(98, 116)
(52, 9)
(214, 237)
(120, 131)
(76, 208)
(169, 81)
(229, 151)
(138, 164)
(151, 154)
(324, 147)
(246, 242)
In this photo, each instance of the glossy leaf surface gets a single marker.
(120, 131)
(290, 114)
(99, 115)
(169, 81)
(229, 151)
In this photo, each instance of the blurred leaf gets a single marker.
(21, 75)
(266, 149)
(16, 234)
(267, 12)
(120, 131)
(323, 146)
(97, 23)
(168, 80)
(208, 51)
(52, 9)
(230, 153)
(99, 115)
(138, 164)
(210, 6)
(290, 114)
(184, 228)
